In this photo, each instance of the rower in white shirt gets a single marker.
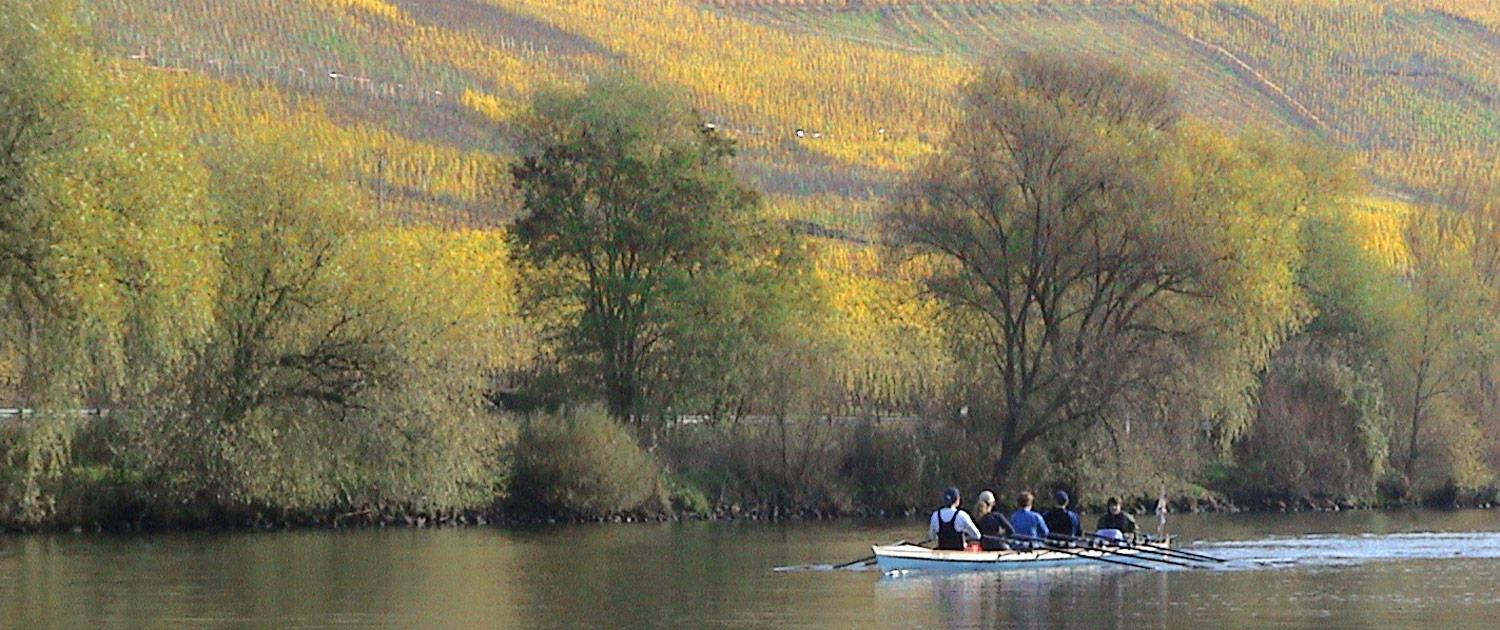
(951, 526)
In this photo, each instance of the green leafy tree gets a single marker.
(641, 241)
(1324, 423)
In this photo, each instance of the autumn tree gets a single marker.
(1100, 260)
(638, 231)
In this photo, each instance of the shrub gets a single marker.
(1321, 429)
(776, 467)
(687, 498)
(884, 467)
(580, 463)
(1393, 488)
(810, 465)
(1443, 497)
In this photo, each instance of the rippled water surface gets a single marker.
(1326, 570)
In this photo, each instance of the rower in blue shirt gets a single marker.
(1027, 522)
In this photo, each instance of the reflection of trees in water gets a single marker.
(1091, 597)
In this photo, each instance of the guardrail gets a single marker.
(8, 414)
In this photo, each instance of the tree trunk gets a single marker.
(1004, 465)
(1416, 414)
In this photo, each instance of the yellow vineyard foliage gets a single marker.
(465, 274)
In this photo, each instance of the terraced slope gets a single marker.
(985, 33)
(1413, 85)
(421, 92)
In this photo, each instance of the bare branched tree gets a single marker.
(1083, 253)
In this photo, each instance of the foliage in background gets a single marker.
(345, 367)
(260, 341)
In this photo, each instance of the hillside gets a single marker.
(420, 91)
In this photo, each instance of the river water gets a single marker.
(1325, 570)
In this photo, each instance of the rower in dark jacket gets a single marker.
(994, 528)
(1061, 521)
(1115, 518)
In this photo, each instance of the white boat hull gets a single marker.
(912, 557)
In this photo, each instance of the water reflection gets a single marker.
(1355, 570)
(1096, 598)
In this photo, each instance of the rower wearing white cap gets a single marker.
(994, 528)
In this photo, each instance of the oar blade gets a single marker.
(1047, 545)
(1166, 551)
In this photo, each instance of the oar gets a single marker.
(1166, 551)
(1080, 555)
(872, 556)
(1138, 555)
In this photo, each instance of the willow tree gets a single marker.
(649, 254)
(344, 368)
(106, 271)
(1101, 261)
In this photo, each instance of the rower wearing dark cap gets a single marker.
(950, 526)
(1061, 521)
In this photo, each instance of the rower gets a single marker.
(1116, 519)
(950, 526)
(1063, 522)
(994, 528)
(1026, 522)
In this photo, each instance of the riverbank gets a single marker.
(583, 467)
(368, 519)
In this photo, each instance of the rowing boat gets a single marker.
(905, 557)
